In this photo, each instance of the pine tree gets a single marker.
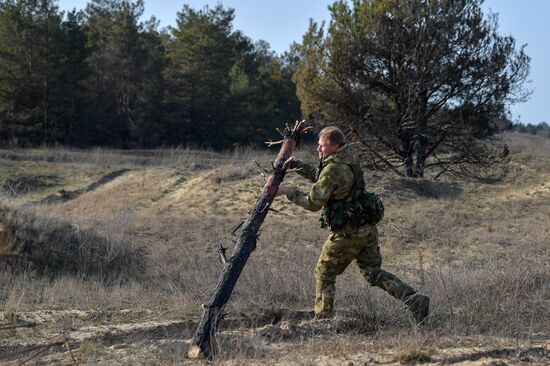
(200, 55)
(426, 81)
(72, 128)
(30, 34)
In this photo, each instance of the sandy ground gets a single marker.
(154, 199)
(145, 337)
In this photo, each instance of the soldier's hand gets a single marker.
(281, 191)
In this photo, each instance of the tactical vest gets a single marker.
(358, 208)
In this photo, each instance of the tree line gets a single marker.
(424, 85)
(540, 129)
(102, 76)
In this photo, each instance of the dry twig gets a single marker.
(237, 227)
(221, 254)
(71, 353)
(270, 142)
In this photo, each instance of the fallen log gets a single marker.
(204, 343)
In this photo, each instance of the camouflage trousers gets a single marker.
(338, 252)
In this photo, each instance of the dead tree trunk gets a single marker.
(203, 344)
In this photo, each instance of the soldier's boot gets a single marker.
(324, 300)
(419, 305)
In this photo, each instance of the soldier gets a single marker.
(337, 184)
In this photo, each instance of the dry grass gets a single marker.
(103, 157)
(413, 355)
(52, 248)
(480, 251)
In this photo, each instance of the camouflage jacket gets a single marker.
(335, 182)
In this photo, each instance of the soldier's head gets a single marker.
(330, 140)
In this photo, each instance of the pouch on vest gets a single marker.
(372, 207)
(354, 212)
(334, 216)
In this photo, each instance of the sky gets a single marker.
(281, 22)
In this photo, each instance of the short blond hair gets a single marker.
(334, 135)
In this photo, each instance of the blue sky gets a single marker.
(282, 22)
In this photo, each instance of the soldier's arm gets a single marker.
(305, 170)
(318, 195)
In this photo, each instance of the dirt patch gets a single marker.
(498, 356)
(130, 336)
(425, 188)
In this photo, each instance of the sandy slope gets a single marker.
(438, 222)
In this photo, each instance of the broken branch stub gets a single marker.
(204, 342)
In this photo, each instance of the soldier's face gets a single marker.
(325, 147)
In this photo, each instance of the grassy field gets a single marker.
(118, 250)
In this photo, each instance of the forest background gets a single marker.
(102, 76)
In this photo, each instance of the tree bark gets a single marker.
(405, 151)
(422, 135)
(204, 343)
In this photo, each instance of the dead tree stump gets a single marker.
(203, 344)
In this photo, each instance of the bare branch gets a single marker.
(280, 132)
(71, 353)
(273, 143)
(375, 153)
(237, 227)
(221, 255)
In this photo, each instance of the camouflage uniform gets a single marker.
(335, 182)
